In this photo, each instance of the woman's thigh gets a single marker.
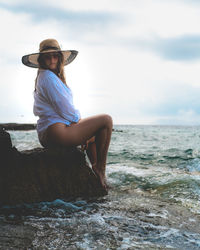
(78, 133)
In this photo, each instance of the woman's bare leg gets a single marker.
(99, 126)
(102, 144)
(92, 152)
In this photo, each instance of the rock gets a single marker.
(117, 130)
(44, 174)
(5, 142)
(17, 126)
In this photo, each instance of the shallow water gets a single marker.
(153, 203)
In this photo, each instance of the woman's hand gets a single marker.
(85, 145)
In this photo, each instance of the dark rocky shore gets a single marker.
(44, 174)
(39, 175)
(25, 126)
(17, 126)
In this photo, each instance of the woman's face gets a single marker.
(51, 60)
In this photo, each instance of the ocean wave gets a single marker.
(169, 186)
(193, 165)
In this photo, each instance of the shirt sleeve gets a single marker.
(60, 97)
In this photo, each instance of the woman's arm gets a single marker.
(60, 97)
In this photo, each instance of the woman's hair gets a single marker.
(59, 70)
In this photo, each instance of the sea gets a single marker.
(153, 201)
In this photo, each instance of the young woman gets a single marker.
(59, 121)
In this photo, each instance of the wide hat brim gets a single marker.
(31, 60)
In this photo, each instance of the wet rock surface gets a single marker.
(139, 222)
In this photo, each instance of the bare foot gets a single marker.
(101, 177)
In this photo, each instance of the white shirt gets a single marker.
(53, 102)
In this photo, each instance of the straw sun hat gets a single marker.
(47, 46)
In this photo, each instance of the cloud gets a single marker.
(43, 12)
(189, 1)
(174, 100)
(184, 117)
(87, 26)
(134, 61)
(183, 48)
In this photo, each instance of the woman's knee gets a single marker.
(108, 120)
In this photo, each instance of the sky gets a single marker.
(138, 60)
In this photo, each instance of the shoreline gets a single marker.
(32, 126)
(18, 126)
(26, 126)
